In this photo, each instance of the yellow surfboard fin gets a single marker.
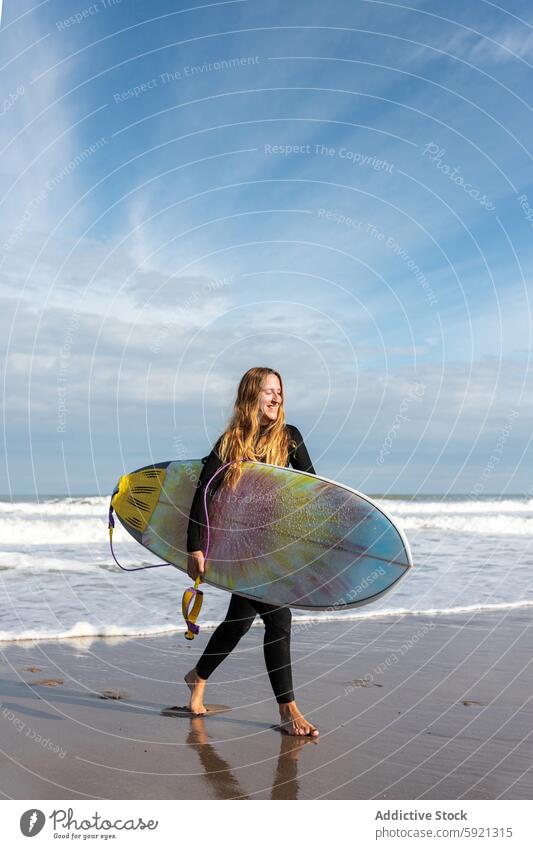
(137, 496)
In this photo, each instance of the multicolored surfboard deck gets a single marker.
(282, 536)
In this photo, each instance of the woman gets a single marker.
(258, 432)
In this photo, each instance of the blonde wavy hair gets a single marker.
(244, 437)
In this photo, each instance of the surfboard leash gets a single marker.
(195, 593)
(190, 614)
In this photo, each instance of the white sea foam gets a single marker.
(59, 562)
(16, 530)
(92, 505)
(405, 611)
(82, 630)
(496, 517)
(403, 507)
(86, 630)
(495, 525)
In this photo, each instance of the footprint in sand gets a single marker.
(183, 710)
(112, 694)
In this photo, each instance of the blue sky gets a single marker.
(341, 191)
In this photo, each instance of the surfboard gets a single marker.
(282, 536)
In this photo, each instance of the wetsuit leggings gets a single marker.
(276, 646)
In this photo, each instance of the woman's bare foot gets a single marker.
(294, 723)
(197, 686)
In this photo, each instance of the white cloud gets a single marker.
(512, 42)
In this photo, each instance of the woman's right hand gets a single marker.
(195, 564)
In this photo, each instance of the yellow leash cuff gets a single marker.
(191, 616)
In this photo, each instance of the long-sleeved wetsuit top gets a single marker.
(298, 458)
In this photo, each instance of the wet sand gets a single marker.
(408, 708)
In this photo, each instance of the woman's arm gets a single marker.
(299, 457)
(197, 518)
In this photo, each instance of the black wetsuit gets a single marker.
(242, 611)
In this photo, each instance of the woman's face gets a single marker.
(269, 399)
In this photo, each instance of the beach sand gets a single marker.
(408, 708)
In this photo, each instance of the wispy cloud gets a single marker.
(497, 45)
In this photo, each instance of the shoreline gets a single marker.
(419, 707)
(85, 631)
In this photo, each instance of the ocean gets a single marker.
(59, 581)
